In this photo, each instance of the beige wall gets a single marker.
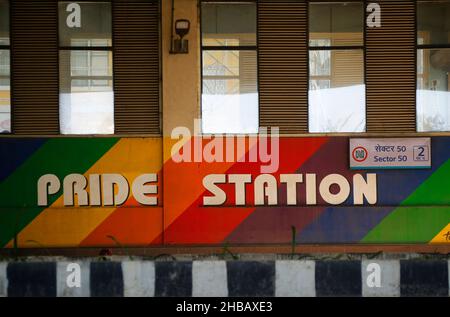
(181, 72)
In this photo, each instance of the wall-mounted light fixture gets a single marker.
(181, 29)
(182, 26)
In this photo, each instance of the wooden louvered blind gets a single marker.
(136, 67)
(347, 68)
(283, 65)
(34, 52)
(347, 65)
(248, 82)
(391, 69)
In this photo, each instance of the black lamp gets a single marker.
(181, 46)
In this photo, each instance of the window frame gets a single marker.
(250, 48)
(425, 48)
(108, 48)
(332, 48)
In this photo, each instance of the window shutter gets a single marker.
(247, 73)
(391, 69)
(283, 65)
(347, 70)
(34, 71)
(136, 67)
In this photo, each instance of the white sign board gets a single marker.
(390, 153)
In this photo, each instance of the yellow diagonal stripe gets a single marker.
(443, 236)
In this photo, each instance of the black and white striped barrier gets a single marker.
(226, 278)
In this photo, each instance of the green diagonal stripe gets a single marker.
(407, 224)
(59, 156)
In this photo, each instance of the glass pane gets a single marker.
(337, 91)
(4, 22)
(433, 22)
(433, 92)
(230, 92)
(319, 64)
(86, 92)
(5, 93)
(315, 84)
(336, 24)
(228, 24)
(84, 23)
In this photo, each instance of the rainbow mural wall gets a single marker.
(412, 206)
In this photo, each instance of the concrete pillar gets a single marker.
(181, 72)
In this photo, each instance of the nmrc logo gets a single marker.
(360, 154)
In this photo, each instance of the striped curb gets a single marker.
(281, 278)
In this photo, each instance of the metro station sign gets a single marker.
(390, 153)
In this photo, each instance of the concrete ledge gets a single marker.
(443, 249)
(288, 278)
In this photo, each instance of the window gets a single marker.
(336, 67)
(85, 68)
(229, 72)
(433, 66)
(5, 88)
